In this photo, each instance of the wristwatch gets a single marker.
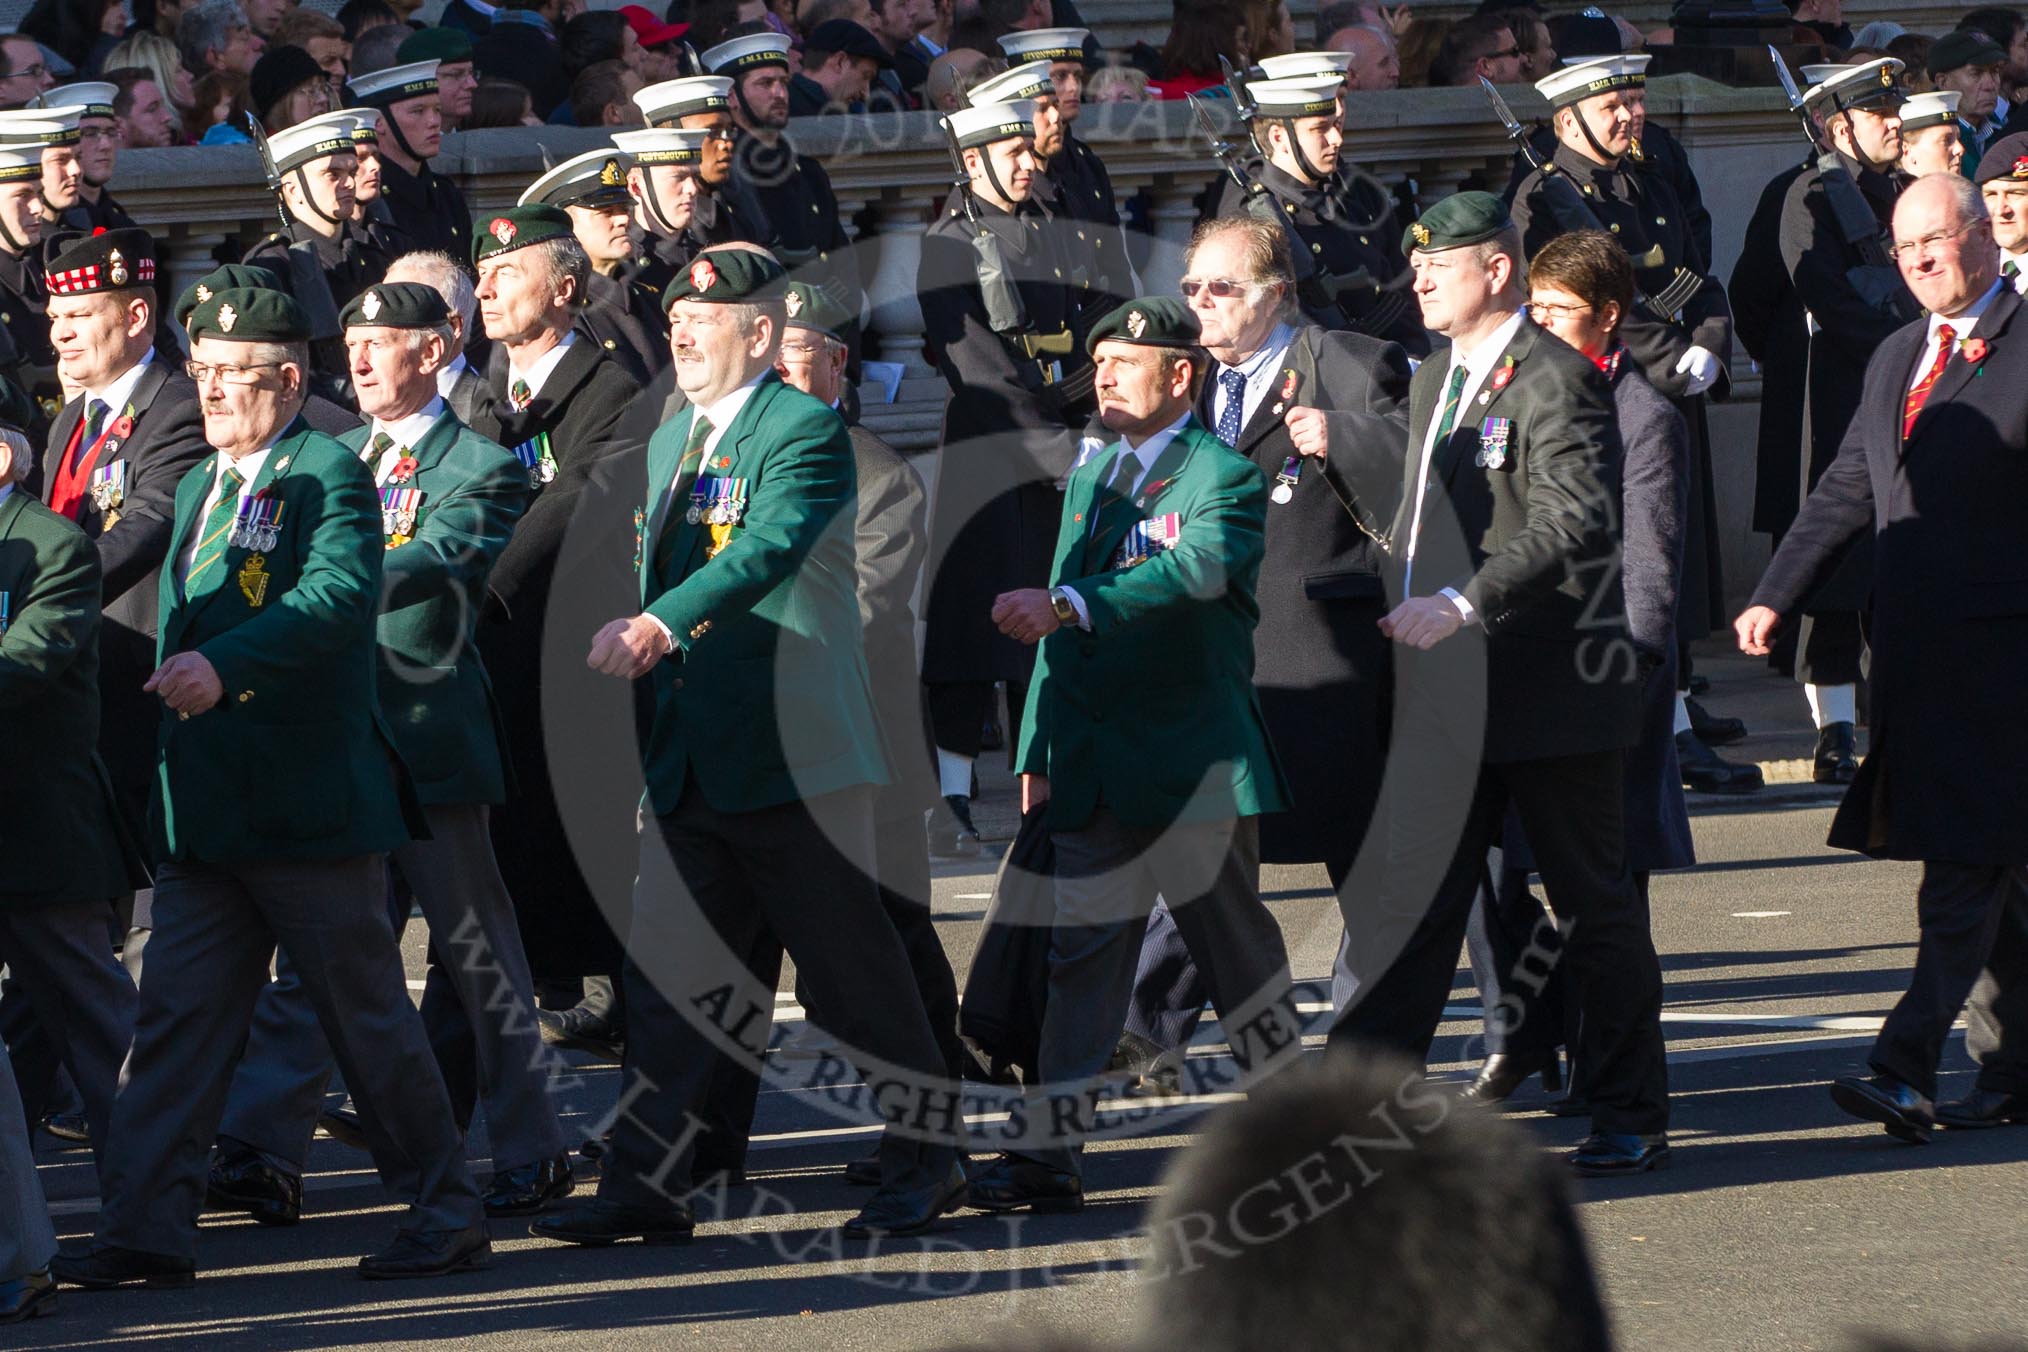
(1059, 601)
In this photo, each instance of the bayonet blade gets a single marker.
(1788, 80)
(1501, 110)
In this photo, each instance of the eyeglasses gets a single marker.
(1915, 248)
(1553, 313)
(801, 351)
(34, 72)
(1219, 288)
(1503, 55)
(248, 374)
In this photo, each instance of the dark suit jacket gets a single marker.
(471, 398)
(891, 538)
(1530, 543)
(1950, 596)
(1768, 319)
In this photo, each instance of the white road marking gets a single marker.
(1759, 915)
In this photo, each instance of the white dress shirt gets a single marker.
(116, 395)
(406, 432)
(1260, 371)
(1963, 325)
(1478, 364)
(543, 367)
(1145, 454)
(2020, 262)
(720, 413)
(249, 467)
(447, 375)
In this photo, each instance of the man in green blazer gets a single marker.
(67, 860)
(1144, 735)
(760, 769)
(277, 802)
(449, 499)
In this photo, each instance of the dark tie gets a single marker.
(380, 444)
(215, 539)
(1233, 383)
(693, 449)
(1946, 343)
(1454, 394)
(95, 421)
(519, 395)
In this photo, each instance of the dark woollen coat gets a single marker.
(1943, 779)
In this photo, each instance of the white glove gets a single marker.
(1703, 369)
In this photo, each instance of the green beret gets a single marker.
(245, 315)
(397, 305)
(435, 44)
(1151, 321)
(231, 277)
(728, 277)
(517, 228)
(811, 307)
(1460, 219)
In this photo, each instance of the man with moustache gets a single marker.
(2003, 185)
(618, 314)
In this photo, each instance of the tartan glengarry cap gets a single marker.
(2006, 158)
(110, 260)
(250, 316)
(812, 307)
(231, 277)
(728, 277)
(597, 178)
(1460, 219)
(396, 305)
(1150, 321)
(517, 228)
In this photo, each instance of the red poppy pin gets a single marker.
(403, 471)
(1288, 385)
(1973, 350)
(1503, 375)
(124, 428)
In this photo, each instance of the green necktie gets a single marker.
(1119, 490)
(380, 445)
(95, 421)
(693, 449)
(520, 395)
(215, 540)
(1454, 394)
(2011, 268)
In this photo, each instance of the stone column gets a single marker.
(1172, 215)
(899, 223)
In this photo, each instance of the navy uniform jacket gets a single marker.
(799, 215)
(429, 206)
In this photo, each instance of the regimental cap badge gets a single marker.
(1420, 231)
(227, 317)
(369, 304)
(203, 293)
(1137, 323)
(1887, 77)
(502, 229)
(611, 175)
(793, 303)
(703, 276)
(2021, 166)
(117, 266)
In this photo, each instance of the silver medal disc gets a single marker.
(1283, 493)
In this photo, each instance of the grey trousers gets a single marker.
(1108, 876)
(26, 1240)
(216, 927)
(82, 999)
(478, 1003)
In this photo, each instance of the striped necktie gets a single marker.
(1946, 343)
(519, 395)
(693, 450)
(1454, 394)
(216, 537)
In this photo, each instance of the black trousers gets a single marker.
(1973, 943)
(958, 711)
(1571, 808)
(800, 872)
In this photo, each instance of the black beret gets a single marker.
(397, 305)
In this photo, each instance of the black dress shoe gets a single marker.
(1837, 760)
(1503, 1073)
(1700, 685)
(600, 1222)
(1983, 1108)
(100, 1267)
(1901, 1108)
(343, 1126)
(864, 1172)
(896, 1212)
(70, 1128)
(1011, 1183)
(28, 1297)
(1608, 1154)
(429, 1253)
(583, 1030)
(951, 833)
(991, 738)
(526, 1189)
(1711, 729)
(1705, 771)
(1146, 1068)
(243, 1181)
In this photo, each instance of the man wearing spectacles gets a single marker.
(23, 72)
(1478, 46)
(1852, 307)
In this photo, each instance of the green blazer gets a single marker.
(1152, 710)
(435, 697)
(769, 702)
(56, 806)
(292, 763)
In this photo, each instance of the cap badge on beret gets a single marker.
(118, 265)
(502, 229)
(227, 317)
(1137, 323)
(203, 293)
(1420, 231)
(369, 305)
(793, 303)
(703, 275)
(2021, 166)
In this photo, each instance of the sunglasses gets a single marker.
(1220, 288)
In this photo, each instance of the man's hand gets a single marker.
(1422, 621)
(1034, 792)
(1756, 626)
(628, 648)
(1309, 432)
(187, 683)
(1026, 615)
(1702, 367)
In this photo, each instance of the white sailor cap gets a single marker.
(1864, 85)
(20, 163)
(1045, 44)
(1601, 75)
(663, 145)
(40, 127)
(1815, 73)
(597, 178)
(1023, 82)
(1291, 65)
(1296, 95)
(94, 96)
(365, 125)
(674, 99)
(313, 138)
(1934, 109)
(385, 88)
(751, 52)
(984, 123)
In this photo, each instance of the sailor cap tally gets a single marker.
(737, 57)
(674, 99)
(984, 123)
(41, 127)
(663, 145)
(1601, 75)
(385, 88)
(1023, 82)
(94, 96)
(1293, 65)
(313, 139)
(365, 125)
(1045, 44)
(1297, 95)
(1935, 109)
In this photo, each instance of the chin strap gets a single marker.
(310, 200)
(15, 244)
(388, 120)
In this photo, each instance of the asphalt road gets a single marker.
(1782, 1225)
